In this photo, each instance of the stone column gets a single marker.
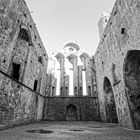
(60, 58)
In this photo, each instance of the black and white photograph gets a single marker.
(69, 70)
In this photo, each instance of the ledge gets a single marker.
(116, 83)
(21, 83)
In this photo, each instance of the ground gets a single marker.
(70, 131)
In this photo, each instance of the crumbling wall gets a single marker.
(17, 103)
(24, 59)
(120, 36)
(87, 109)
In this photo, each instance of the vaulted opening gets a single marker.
(110, 106)
(132, 83)
(23, 34)
(71, 113)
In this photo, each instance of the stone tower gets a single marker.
(102, 23)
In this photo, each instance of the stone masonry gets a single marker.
(71, 86)
(117, 61)
(76, 86)
(23, 64)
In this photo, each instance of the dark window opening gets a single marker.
(81, 90)
(66, 89)
(24, 35)
(75, 89)
(61, 90)
(36, 100)
(4, 61)
(123, 31)
(53, 90)
(89, 90)
(89, 87)
(35, 85)
(15, 71)
(115, 13)
(106, 20)
(40, 59)
(35, 37)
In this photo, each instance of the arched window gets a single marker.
(23, 34)
(40, 59)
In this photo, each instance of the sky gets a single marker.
(60, 21)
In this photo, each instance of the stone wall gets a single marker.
(117, 59)
(71, 109)
(18, 104)
(24, 59)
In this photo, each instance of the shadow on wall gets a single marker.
(132, 83)
(110, 106)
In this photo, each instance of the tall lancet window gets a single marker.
(84, 77)
(84, 83)
(69, 72)
(58, 78)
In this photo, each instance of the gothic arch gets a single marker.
(24, 32)
(131, 71)
(85, 55)
(110, 106)
(71, 113)
(20, 54)
(73, 45)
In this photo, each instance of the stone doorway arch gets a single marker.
(110, 106)
(71, 113)
(131, 71)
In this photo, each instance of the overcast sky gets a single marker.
(59, 21)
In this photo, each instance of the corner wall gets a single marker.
(23, 65)
(121, 35)
(87, 108)
(18, 104)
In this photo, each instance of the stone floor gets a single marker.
(69, 131)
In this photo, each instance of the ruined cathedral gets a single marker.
(71, 84)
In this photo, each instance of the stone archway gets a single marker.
(132, 84)
(71, 113)
(110, 102)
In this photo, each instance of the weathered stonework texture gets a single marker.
(117, 64)
(71, 109)
(23, 59)
(77, 86)
(71, 86)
